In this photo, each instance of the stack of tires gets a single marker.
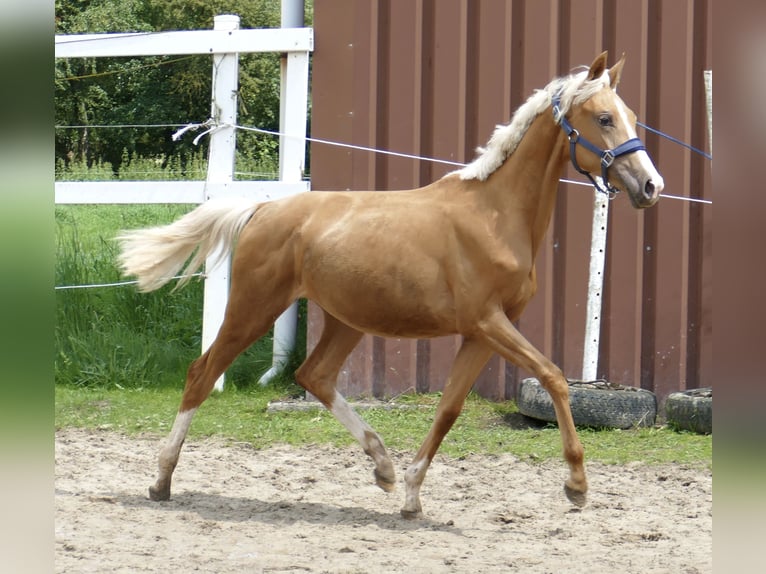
(602, 404)
(691, 410)
(593, 404)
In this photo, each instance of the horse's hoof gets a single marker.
(387, 483)
(411, 514)
(575, 496)
(157, 494)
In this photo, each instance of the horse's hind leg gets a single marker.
(239, 329)
(468, 363)
(318, 375)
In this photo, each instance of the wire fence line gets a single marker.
(117, 283)
(182, 128)
(211, 125)
(347, 145)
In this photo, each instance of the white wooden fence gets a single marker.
(224, 43)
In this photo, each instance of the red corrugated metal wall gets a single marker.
(434, 78)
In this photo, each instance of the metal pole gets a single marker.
(292, 120)
(292, 14)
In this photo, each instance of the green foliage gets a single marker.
(115, 337)
(157, 90)
(177, 167)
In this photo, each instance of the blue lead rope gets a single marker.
(675, 140)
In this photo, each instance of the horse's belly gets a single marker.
(390, 321)
(392, 301)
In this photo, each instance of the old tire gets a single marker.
(691, 410)
(610, 406)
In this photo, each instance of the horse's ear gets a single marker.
(615, 71)
(597, 67)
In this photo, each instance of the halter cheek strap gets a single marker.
(607, 156)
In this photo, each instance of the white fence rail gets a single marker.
(224, 42)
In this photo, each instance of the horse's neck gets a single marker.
(525, 185)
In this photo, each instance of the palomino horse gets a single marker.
(454, 257)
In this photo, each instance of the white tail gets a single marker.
(155, 255)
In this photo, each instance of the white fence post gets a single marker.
(595, 286)
(220, 169)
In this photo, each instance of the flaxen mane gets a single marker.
(573, 89)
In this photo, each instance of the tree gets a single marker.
(158, 90)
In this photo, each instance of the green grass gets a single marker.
(116, 337)
(484, 427)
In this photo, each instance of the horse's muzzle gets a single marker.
(647, 194)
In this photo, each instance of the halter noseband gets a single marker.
(607, 156)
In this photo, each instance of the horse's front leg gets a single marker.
(507, 341)
(468, 363)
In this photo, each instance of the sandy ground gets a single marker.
(297, 510)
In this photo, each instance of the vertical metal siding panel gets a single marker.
(697, 239)
(495, 71)
(399, 109)
(647, 263)
(448, 108)
(362, 368)
(335, 92)
(607, 25)
(435, 82)
(488, 105)
(441, 352)
(402, 105)
(332, 86)
(417, 56)
(620, 336)
(672, 221)
(364, 74)
(705, 374)
(576, 205)
(536, 70)
(444, 111)
(382, 26)
(434, 355)
(517, 96)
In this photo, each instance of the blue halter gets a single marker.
(607, 156)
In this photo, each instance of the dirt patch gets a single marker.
(296, 510)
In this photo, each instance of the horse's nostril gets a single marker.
(649, 189)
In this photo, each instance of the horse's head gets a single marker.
(603, 141)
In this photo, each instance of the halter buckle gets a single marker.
(573, 136)
(607, 158)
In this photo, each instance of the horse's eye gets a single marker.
(605, 120)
